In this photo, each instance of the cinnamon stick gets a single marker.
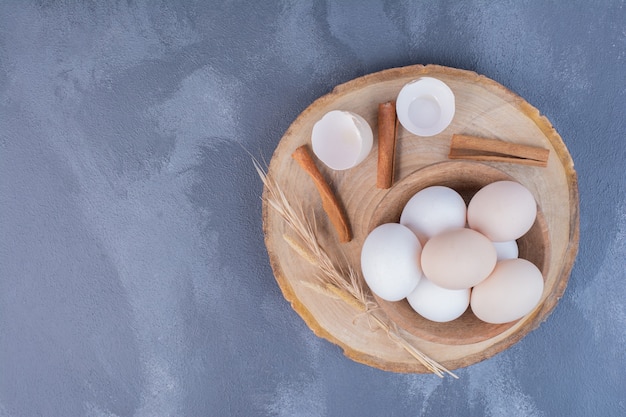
(330, 203)
(481, 149)
(387, 130)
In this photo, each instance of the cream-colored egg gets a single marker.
(458, 258)
(433, 210)
(390, 261)
(502, 211)
(436, 303)
(511, 291)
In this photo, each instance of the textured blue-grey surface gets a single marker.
(133, 276)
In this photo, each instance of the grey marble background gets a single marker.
(133, 276)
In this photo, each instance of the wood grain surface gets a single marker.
(484, 108)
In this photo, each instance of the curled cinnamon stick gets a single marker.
(387, 129)
(331, 205)
(481, 149)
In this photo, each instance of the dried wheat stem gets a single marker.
(347, 298)
(320, 289)
(300, 250)
(334, 282)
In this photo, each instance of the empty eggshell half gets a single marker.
(436, 303)
(432, 210)
(502, 211)
(341, 139)
(511, 291)
(390, 261)
(425, 106)
(458, 258)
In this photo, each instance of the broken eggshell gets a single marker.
(341, 139)
(425, 106)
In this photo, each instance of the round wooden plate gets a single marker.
(483, 108)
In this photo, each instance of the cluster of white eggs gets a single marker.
(444, 256)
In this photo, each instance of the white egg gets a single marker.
(506, 250)
(432, 211)
(341, 139)
(436, 303)
(502, 211)
(390, 261)
(511, 291)
(458, 258)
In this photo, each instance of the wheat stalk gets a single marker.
(335, 282)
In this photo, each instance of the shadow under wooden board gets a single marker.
(484, 108)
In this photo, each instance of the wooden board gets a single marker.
(484, 108)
